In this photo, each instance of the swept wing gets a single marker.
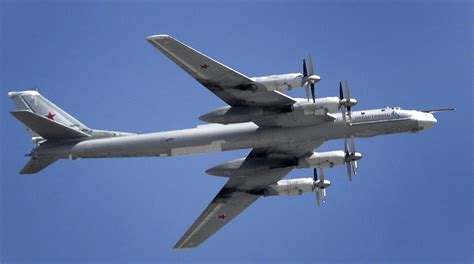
(230, 85)
(240, 192)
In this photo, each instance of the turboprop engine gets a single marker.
(288, 81)
(320, 106)
(302, 108)
(333, 158)
(329, 159)
(295, 186)
(318, 185)
(281, 82)
(323, 159)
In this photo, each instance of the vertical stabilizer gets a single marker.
(45, 114)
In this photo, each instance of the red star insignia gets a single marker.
(50, 116)
(204, 66)
(222, 216)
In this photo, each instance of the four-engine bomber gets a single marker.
(282, 133)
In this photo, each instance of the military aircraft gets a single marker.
(281, 131)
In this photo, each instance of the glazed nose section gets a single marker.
(426, 120)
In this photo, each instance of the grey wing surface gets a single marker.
(232, 199)
(231, 86)
(289, 151)
(240, 192)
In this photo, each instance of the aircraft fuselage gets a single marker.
(217, 137)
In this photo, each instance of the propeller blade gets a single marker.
(348, 95)
(321, 174)
(305, 72)
(348, 100)
(349, 173)
(324, 195)
(306, 87)
(346, 149)
(353, 147)
(318, 198)
(312, 92)
(315, 174)
(341, 94)
(343, 114)
(310, 65)
(354, 167)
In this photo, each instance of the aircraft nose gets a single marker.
(426, 121)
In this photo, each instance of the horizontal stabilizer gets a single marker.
(46, 128)
(37, 164)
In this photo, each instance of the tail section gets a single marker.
(45, 119)
(37, 164)
(47, 122)
(47, 128)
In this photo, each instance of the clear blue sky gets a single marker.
(412, 199)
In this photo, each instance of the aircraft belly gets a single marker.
(213, 138)
(215, 146)
(162, 144)
(370, 129)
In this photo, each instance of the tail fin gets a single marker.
(45, 119)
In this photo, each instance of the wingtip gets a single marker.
(158, 37)
(180, 248)
(183, 246)
(177, 248)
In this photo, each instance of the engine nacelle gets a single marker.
(292, 187)
(242, 167)
(321, 106)
(323, 159)
(280, 82)
(231, 114)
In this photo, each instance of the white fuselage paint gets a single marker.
(216, 137)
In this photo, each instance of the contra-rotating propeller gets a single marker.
(346, 103)
(319, 186)
(351, 157)
(309, 78)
